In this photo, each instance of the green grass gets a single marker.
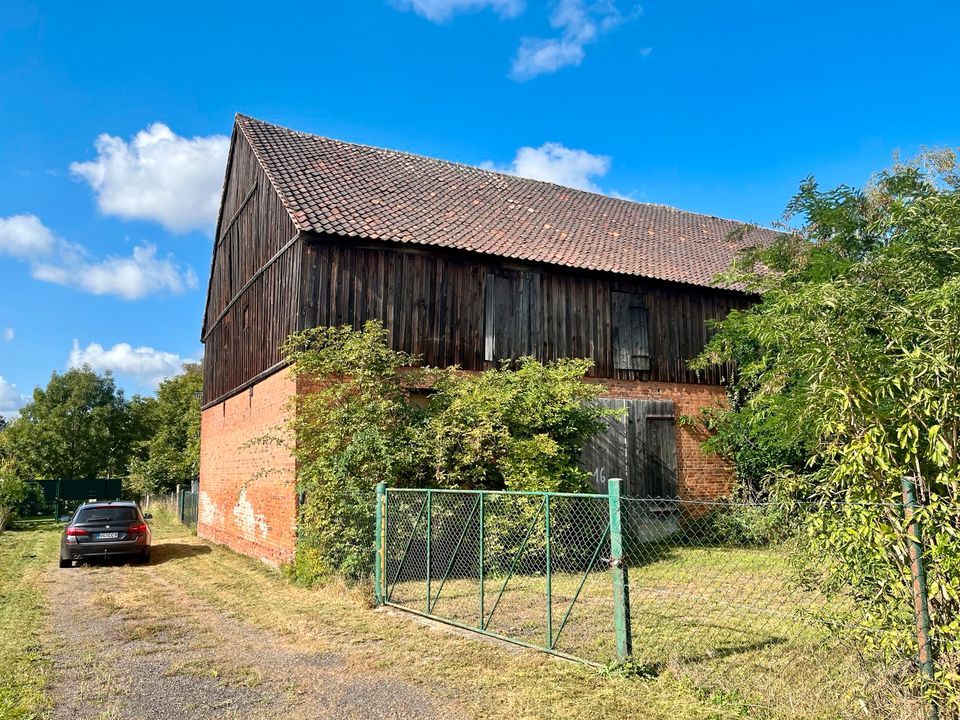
(485, 679)
(676, 624)
(726, 621)
(25, 555)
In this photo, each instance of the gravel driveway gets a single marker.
(130, 644)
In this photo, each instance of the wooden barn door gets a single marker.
(653, 463)
(639, 445)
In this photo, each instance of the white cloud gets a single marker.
(10, 399)
(146, 365)
(159, 176)
(580, 23)
(131, 278)
(557, 164)
(54, 260)
(439, 11)
(24, 236)
(8, 334)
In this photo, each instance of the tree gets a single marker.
(76, 427)
(169, 454)
(849, 379)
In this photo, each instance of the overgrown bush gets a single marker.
(364, 420)
(511, 429)
(741, 523)
(14, 492)
(849, 379)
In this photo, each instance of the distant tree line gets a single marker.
(82, 426)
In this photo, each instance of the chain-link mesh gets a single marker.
(733, 618)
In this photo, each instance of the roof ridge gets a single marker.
(475, 168)
(340, 188)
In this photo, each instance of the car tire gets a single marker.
(66, 563)
(144, 558)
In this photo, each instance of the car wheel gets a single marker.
(144, 559)
(66, 563)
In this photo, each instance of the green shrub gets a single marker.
(848, 380)
(359, 425)
(741, 524)
(14, 494)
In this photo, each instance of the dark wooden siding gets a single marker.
(434, 306)
(639, 446)
(253, 292)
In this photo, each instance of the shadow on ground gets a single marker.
(35, 524)
(167, 552)
(159, 554)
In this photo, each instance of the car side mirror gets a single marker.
(64, 518)
(147, 516)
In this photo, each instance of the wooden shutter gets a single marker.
(509, 331)
(631, 344)
(654, 456)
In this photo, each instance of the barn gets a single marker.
(464, 266)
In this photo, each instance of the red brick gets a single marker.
(248, 498)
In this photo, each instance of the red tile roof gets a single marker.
(340, 188)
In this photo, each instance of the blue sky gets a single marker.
(112, 119)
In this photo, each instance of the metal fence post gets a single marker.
(380, 555)
(618, 566)
(179, 504)
(546, 522)
(482, 618)
(918, 578)
(429, 514)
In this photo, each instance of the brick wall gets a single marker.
(701, 475)
(248, 493)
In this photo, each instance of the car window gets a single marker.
(106, 514)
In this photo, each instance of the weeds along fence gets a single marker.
(181, 504)
(648, 582)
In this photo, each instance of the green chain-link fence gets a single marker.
(599, 578)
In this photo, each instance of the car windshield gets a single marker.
(106, 514)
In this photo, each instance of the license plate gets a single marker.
(108, 536)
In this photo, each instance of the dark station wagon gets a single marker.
(106, 529)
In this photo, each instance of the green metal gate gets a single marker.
(526, 567)
(188, 507)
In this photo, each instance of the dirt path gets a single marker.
(130, 644)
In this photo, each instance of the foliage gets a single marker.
(13, 493)
(169, 454)
(849, 379)
(741, 523)
(366, 420)
(511, 429)
(354, 429)
(76, 427)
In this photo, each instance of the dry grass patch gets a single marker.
(489, 679)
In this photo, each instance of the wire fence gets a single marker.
(600, 578)
(181, 504)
